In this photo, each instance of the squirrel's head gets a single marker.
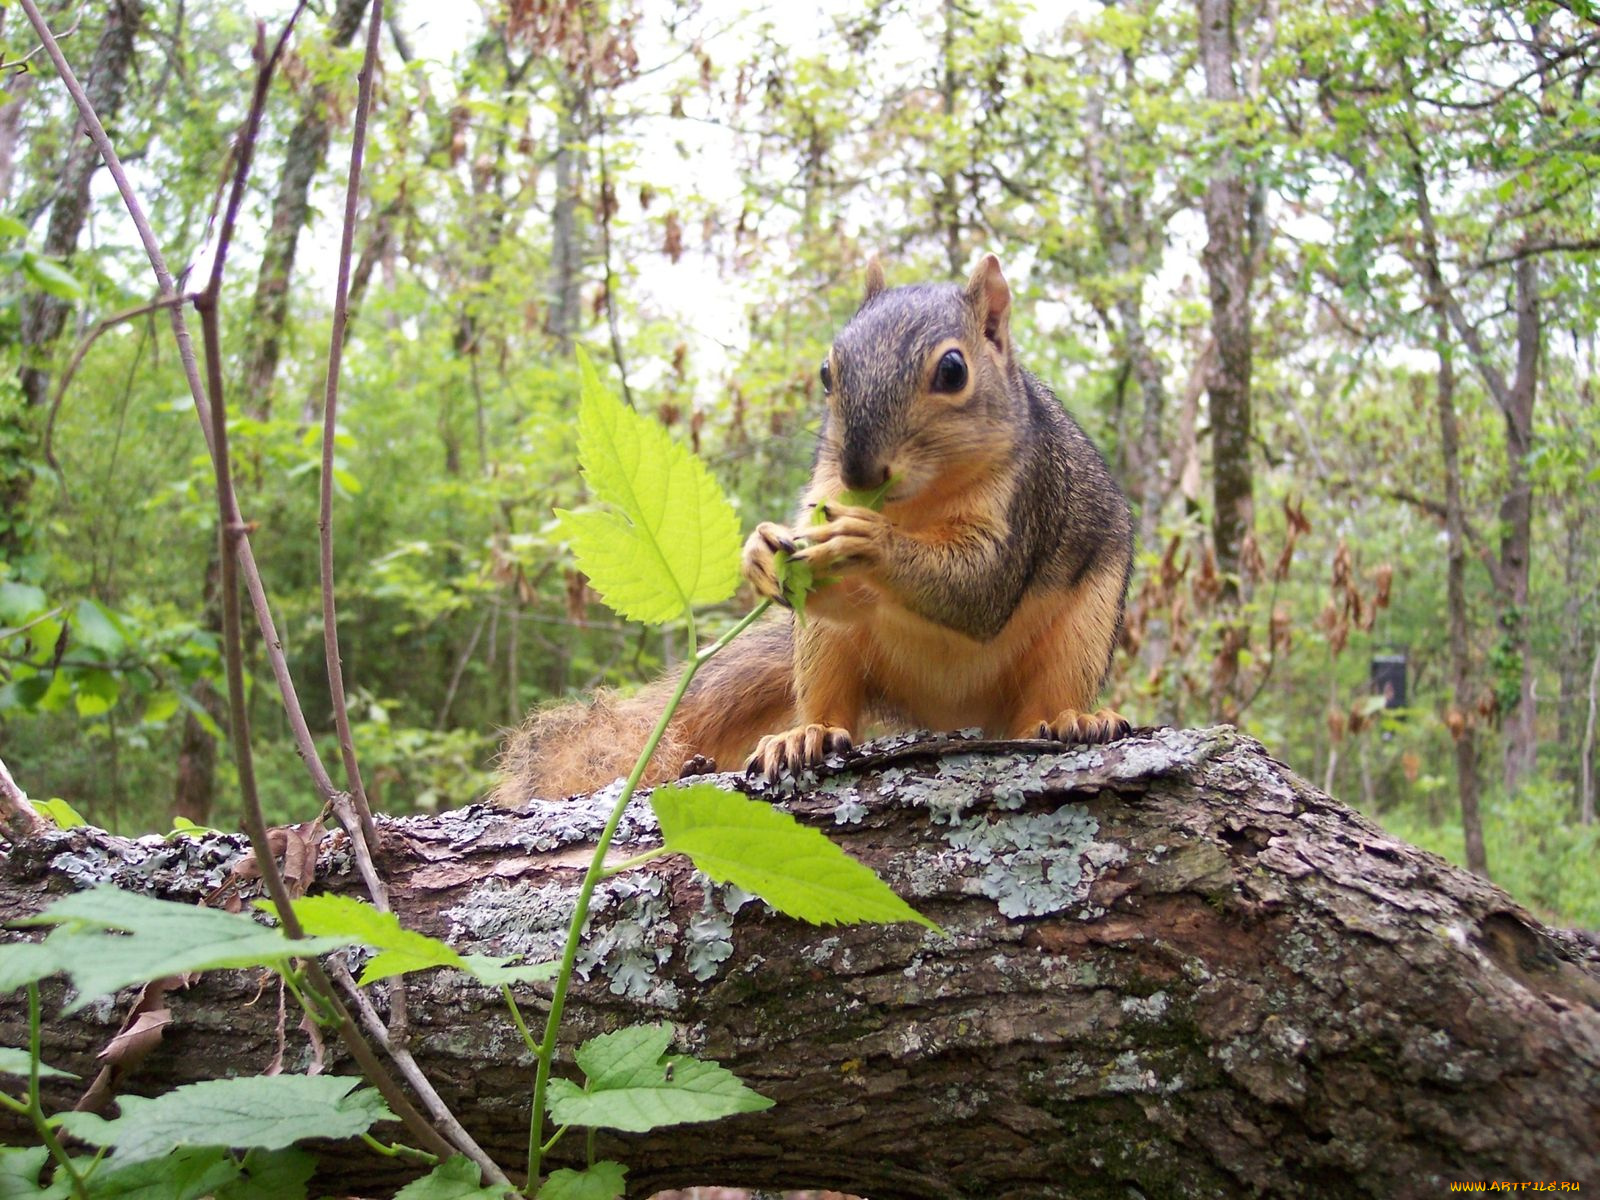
(922, 386)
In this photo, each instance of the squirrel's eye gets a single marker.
(827, 377)
(951, 373)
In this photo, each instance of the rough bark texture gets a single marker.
(1172, 968)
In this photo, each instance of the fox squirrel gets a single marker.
(988, 591)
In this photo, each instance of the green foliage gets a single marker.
(401, 950)
(457, 1178)
(258, 1111)
(603, 1180)
(796, 869)
(105, 939)
(632, 1084)
(674, 542)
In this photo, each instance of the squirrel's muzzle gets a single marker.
(862, 471)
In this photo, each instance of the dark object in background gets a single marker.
(1389, 678)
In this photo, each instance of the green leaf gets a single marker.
(797, 870)
(50, 276)
(674, 541)
(494, 971)
(402, 950)
(634, 1086)
(12, 228)
(22, 963)
(94, 627)
(159, 708)
(269, 1112)
(157, 938)
(457, 1178)
(19, 1175)
(271, 1175)
(16, 1062)
(183, 1175)
(94, 691)
(796, 579)
(20, 602)
(603, 1181)
(182, 825)
(59, 811)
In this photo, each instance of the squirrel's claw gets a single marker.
(757, 564)
(802, 746)
(697, 764)
(1107, 725)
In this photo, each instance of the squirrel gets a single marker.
(988, 591)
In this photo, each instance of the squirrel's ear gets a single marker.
(991, 301)
(875, 280)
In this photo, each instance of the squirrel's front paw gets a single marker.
(802, 746)
(1107, 725)
(757, 564)
(850, 538)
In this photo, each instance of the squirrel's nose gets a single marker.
(861, 473)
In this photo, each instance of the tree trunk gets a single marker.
(1460, 719)
(1170, 967)
(566, 246)
(1229, 273)
(44, 315)
(291, 208)
(1516, 523)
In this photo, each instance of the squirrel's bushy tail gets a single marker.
(744, 692)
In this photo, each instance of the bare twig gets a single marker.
(76, 361)
(237, 558)
(330, 414)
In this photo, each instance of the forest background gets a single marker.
(1319, 280)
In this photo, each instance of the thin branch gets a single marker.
(236, 555)
(330, 414)
(76, 361)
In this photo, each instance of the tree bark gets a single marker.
(44, 315)
(306, 151)
(1229, 268)
(1170, 967)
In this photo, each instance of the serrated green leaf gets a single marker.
(633, 1086)
(605, 1180)
(16, 1062)
(185, 1174)
(60, 812)
(401, 950)
(457, 1178)
(271, 1175)
(674, 540)
(797, 870)
(107, 939)
(269, 1112)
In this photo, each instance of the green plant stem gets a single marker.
(516, 1018)
(555, 1137)
(638, 860)
(597, 871)
(36, 1109)
(400, 1150)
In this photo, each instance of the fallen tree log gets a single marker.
(1171, 968)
